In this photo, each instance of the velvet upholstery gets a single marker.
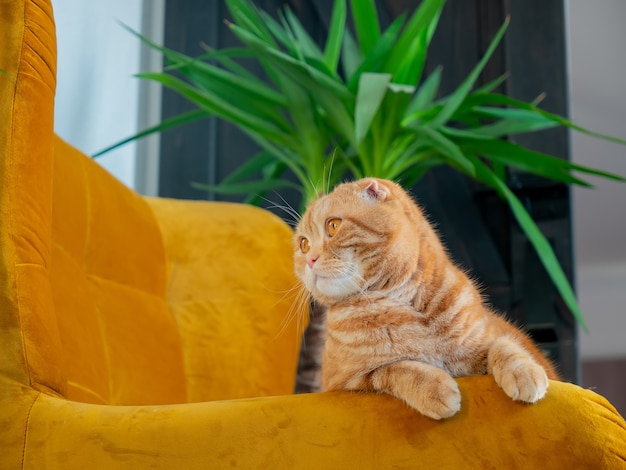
(152, 333)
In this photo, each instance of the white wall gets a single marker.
(597, 46)
(97, 96)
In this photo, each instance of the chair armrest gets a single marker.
(570, 428)
(231, 289)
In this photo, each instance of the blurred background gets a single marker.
(598, 101)
(99, 102)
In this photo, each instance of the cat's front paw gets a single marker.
(527, 382)
(516, 372)
(437, 398)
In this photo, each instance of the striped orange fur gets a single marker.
(401, 318)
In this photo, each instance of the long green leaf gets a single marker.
(210, 76)
(308, 126)
(273, 172)
(511, 121)
(424, 97)
(535, 162)
(446, 148)
(416, 172)
(372, 90)
(300, 71)
(408, 155)
(250, 167)
(351, 56)
(289, 157)
(506, 127)
(253, 96)
(254, 187)
(240, 86)
(538, 240)
(303, 40)
(453, 102)
(334, 41)
(264, 163)
(421, 23)
(410, 69)
(170, 54)
(221, 107)
(528, 115)
(225, 58)
(170, 123)
(493, 84)
(298, 102)
(376, 58)
(278, 31)
(482, 99)
(250, 99)
(247, 15)
(385, 128)
(329, 93)
(524, 159)
(366, 23)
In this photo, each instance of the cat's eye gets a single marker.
(332, 226)
(305, 246)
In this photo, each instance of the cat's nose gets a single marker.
(310, 260)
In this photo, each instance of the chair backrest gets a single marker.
(82, 263)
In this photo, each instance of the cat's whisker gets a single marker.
(352, 274)
(285, 292)
(286, 208)
(297, 290)
(360, 285)
(304, 308)
(301, 298)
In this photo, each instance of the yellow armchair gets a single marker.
(153, 333)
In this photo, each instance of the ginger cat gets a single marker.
(402, 319)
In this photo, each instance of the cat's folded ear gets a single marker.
(374, 190)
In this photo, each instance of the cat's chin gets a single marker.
(327, 288)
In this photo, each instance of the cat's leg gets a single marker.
(428, 389)
(515, 371)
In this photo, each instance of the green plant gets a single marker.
(361, 105)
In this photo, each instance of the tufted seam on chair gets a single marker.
(93, 275)
(124, 285)
(88, 390)
(81, 266)
(26, 427)
(105, 351)
(89, 207)
(37, 73)
(36, 33)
